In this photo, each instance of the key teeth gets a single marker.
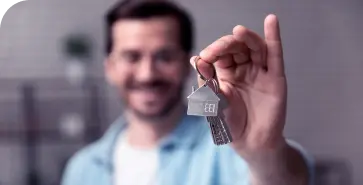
(220, 132)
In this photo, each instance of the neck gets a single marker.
(148, 132)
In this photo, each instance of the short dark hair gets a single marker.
(144, 9)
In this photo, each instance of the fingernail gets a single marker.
(192, 62)
(202, 53)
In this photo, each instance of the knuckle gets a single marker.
(240, 31)
(224, 42)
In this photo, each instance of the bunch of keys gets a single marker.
(206, 101)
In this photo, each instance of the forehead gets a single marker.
(150, 32)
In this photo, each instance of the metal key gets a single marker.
(220, 131)
(205, 102)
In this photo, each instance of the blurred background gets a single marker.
(54, 99)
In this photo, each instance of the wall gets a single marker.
(322, 46)
(33, 31)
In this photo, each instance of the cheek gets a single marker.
(118, 78)
(176, 74)
(123, 91)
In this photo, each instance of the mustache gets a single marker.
(154, 84)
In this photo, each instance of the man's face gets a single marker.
(148, 65)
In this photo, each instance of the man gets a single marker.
(155, 142)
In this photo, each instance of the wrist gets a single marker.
(261, 151)
(268, 157)
(282, 166)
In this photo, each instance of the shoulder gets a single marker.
(91, 164)
(76, 165)
(83, 156)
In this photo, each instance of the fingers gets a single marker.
(275, 62)
(254, 42)
(225, 45)
(244, 46)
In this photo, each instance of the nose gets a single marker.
(146, 70)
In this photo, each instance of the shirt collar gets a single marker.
(185, 135)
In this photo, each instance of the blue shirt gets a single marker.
(188, 156)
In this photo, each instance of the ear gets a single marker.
(109, 70)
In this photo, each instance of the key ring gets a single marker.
(200, 74)
(215, 85)
(214, 82)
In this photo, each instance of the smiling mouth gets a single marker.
(150, 93)
(150, 90)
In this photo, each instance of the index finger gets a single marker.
(224, 45)
(253, 41)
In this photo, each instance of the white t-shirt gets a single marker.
(134, 166)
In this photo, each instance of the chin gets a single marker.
(149, 115)
(153, 112)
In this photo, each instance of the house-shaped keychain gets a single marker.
(203, 102)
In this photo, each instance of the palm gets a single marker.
(252, 80)
(257, 99)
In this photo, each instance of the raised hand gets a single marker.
(250, 72)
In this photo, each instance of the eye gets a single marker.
(165, 56)
(130, 56)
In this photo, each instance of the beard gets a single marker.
(168, 106)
